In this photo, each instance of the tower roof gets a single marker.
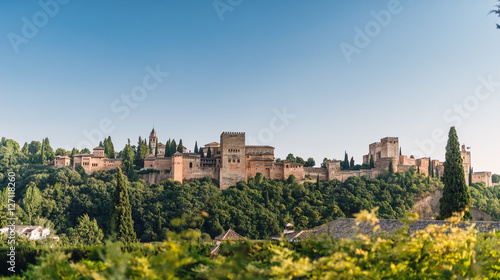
(153, 133)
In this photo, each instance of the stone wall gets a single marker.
(233, 160)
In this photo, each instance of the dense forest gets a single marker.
(66, 199)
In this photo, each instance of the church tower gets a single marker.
(153, 141)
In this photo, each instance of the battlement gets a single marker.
(232, 133)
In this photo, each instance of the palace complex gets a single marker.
(233, 161)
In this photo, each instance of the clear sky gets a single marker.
(312, 78)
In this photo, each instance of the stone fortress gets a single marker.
(233, 161)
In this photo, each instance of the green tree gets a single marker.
(156, 150)
(400, 151)
(300, 160)
(109, 149)
(74, 152)
(61, 152)
(85, 151)
(121, 224)
(173, 147)
(34, 149)
(196, 147)
(351, 164)
(310, 162)
(372, 163)
(47, 151)
(209, 153)
(142, 152)
(180, 147)
(456, 196)
(202, 154)
(167, 149)
(25, 149)
(495, 178)
(323, 164)
(471, 171)
(32, 201)
(128, 158)
(290, 158)
(345, 164)
(391, 168)
(87, 232)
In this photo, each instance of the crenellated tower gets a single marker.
(233, 161)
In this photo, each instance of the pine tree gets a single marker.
(180, 148)
(372, 163)
(121, 224)
(209, 153)
(351, 165)
(456, 196)
(196, 147)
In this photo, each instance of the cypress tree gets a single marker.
(167, 149)
(156, 150)
(351, 165)
(456, 196)
(121, 224)
(400, 151)
(42, 154)
(391, 168)
(173, 147)
(202, 154)
(179, 148)
(196, 147)
(372, 164)
(471, 170)
(346, 161)
(209, 153)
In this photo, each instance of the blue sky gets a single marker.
(418, 74)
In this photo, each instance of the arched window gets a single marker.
(190, 165)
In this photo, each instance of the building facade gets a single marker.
(96, 161)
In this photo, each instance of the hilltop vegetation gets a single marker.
(257, 209)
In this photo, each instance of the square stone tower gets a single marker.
(233, 160)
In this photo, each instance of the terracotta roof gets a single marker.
(229, 235)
